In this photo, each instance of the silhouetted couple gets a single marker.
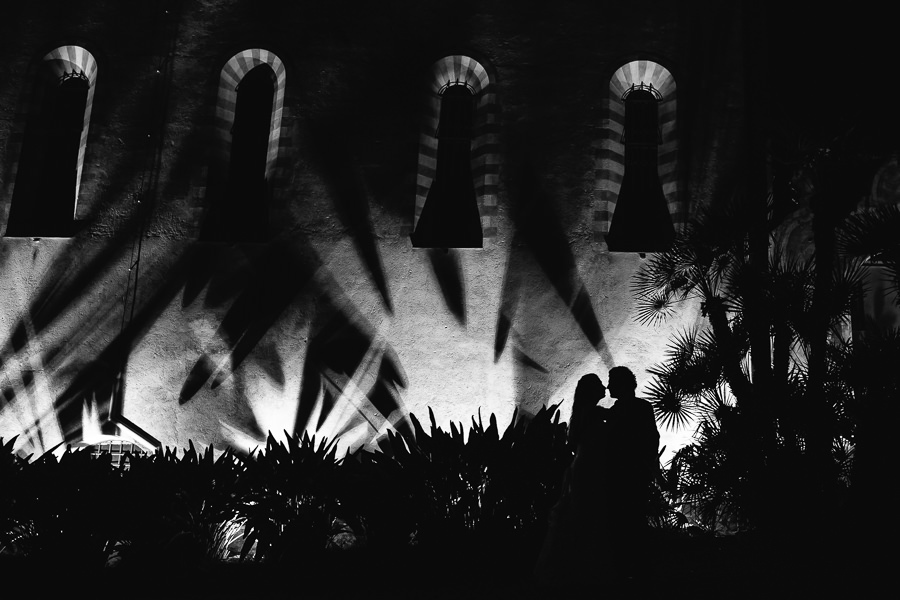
(597, 529)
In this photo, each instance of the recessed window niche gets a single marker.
(48, 173)
(456, 191)
(249, 108)
(639, 209)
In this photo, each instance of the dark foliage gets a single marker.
(179, 510)
(477, 489)
(53, 505)
(749, 465)
(288, 496)
(424, 493)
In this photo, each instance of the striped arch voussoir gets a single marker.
(68, 59)
(234, 70)
(458, 69)
(642, 71)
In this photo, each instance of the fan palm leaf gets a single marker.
(672, 410)
(716, 404)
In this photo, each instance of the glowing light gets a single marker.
(91, 430)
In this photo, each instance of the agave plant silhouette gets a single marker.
(52, 505)
(11, 474)
(482, 489)
(182, 510)
(288, 496)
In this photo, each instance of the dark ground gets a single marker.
(737, 567)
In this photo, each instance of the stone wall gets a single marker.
(132, 327)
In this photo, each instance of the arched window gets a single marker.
(450, 217)
(248, 129)
(246, 199)
(49, 170)
(642, 222)
(456, 196)
(637, 177)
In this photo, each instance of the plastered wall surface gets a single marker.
(445, 364)
(335, 325)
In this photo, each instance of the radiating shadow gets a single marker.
(583, 312)
(276, 279)
(273, 366)
(264, 279)
(342, 349)
(448, 271)
(69, 278)
(197, 378)
(529, 362)
(94, 383)
(539, 231)
(200, 272)
(544, 325)
(283, 275)
(264, 284)
(97, 381)
(19, 337)
(330, 143)
(7, 395)
(504, 324)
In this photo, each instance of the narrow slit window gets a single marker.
(249, 145)
(243, 212)
(641, 222)
(245, 148)
(450, 217)
(46, 190)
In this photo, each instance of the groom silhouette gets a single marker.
(634, 444)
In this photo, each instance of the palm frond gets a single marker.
(789, 292)
(847, 289)
(871, 234)
(654, 308)
(843, 452)
(682, 347)
(672, 410)
(665, 278)
(693, 362)
(716, 404)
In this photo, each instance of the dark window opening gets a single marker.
(641, 221)
(43, 203)
(450, 217)
(243, 213)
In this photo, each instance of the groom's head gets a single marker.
(622, 382)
